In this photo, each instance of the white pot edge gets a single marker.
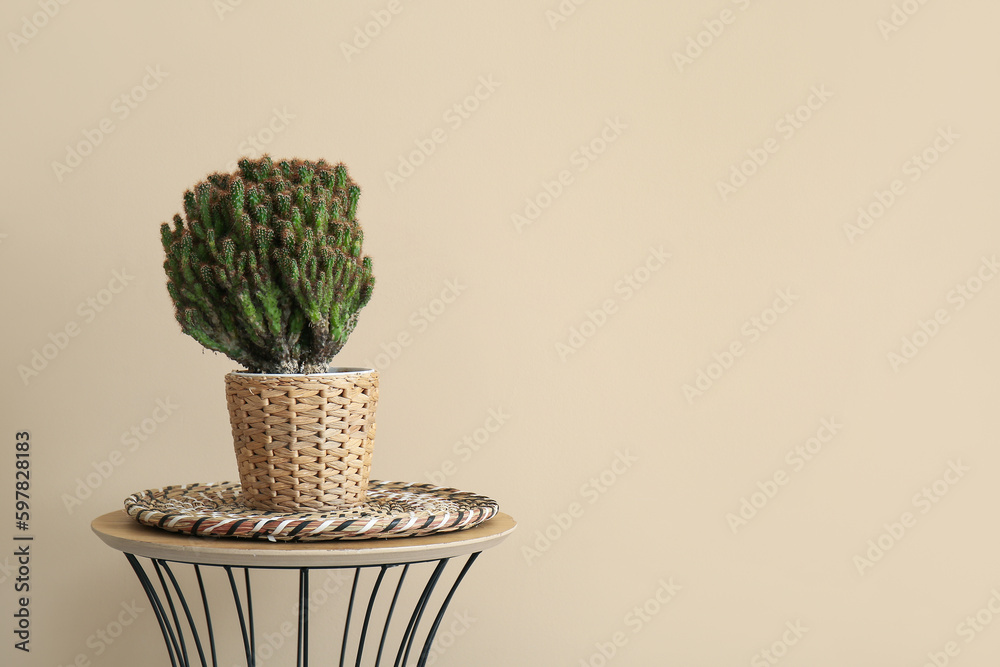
(337, 371)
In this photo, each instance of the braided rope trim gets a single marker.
(392, 509)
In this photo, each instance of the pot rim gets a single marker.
(334, 371)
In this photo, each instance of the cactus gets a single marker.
(266, 265)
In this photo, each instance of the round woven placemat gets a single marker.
(392, 509)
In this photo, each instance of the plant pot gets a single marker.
(303, 442)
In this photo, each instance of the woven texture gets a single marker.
(393, 509)
(303, 443)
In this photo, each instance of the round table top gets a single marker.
(120, 531)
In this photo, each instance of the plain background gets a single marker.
(645, 111)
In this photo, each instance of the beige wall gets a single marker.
(745, 160)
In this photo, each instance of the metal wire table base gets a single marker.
(190, 635)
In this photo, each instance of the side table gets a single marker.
(372, 567)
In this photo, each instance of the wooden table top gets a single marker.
(120, 531)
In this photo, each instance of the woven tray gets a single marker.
(393, 509)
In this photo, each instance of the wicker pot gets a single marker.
(303, 442)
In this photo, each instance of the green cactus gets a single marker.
(266, 265)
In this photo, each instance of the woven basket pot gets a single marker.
(303, 442)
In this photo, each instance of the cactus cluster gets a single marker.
(266, 266)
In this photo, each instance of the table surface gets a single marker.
(120, 531)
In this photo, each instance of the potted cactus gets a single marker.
(266, 267)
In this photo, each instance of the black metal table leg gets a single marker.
(172, 612)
